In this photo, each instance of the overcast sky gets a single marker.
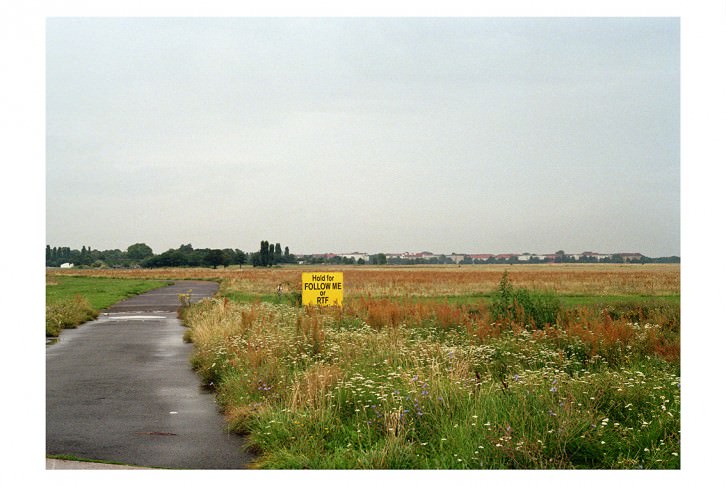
(477, 135)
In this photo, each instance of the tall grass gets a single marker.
(391, 384)
(67, 314)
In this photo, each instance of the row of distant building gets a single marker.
(587, 256)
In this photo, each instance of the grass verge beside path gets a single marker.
(70, 301)
(339, 389)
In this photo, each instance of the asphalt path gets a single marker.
(121, 389)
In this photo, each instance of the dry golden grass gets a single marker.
(397, 281)
(571, 279)
(310, 391)
(142, 273)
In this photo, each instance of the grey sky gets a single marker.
(365, 134)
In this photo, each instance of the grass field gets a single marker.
(437, 282)
(72, 300)
(544, 367)
(443, 368)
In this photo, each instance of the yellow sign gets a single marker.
(322, 288)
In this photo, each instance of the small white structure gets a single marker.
(66, 265)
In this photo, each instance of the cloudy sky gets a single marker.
(443, 134)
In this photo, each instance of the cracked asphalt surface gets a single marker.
(121, 389)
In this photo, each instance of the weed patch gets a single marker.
(386, 385)
(67, 314)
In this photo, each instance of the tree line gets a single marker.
(141, 255)
(270, 254)
(86, 256)
(187, 256)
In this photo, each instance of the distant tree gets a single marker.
(139, 251)
(670, 259)
(288, 257)
(113, 258)
(263, 257)
(240, 258)
(196, 258)
(153, 261)
(192, 257)
(214, 258)
(256, 259)
(265, 254)
(229, 257)
(74, 257)
(378, 259)
(60, 255)
(277, 258)
(177, 258)
(170, 258)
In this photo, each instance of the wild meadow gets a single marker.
(514, 367)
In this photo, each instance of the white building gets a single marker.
(421, 255)
(592, 255)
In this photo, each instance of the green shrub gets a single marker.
(530, 309)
